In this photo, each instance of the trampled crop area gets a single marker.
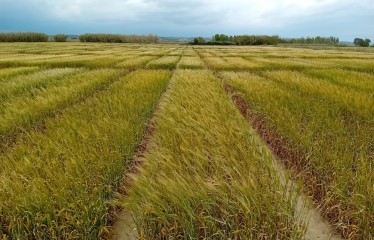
(190, 141)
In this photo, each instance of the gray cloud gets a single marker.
(189, 18)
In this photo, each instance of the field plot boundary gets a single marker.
(331, 147)
(318, 227)
(86, 150)
(177, 141)
(122, 223)
(198, 173)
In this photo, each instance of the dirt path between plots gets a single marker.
(124, 227)
(317, 226)
(123, 224)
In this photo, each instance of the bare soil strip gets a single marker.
(124, 227)
(317, 226)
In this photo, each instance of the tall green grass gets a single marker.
(57, 184)
(206, 174)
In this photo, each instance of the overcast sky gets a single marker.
(345, 19)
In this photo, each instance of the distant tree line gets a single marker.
(23, 37)
(246, 39)
(106, 38)
(217, 39)
(199, 41)
(222, 39)
(312, 40)
(60, 37)
(118, 38)
(362, 42)
(256, 40)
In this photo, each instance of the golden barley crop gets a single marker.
(73, 115)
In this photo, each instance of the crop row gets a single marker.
(282, 52)
(21, 84)
(88, 61)
(126, 61)
(331, 128)
(206, 173)
(218, 58)
(54, 92)
(12, 72)
(71, 117)
(259, 63)
(58, 183)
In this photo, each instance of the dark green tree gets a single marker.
(60, 37)
(221, 38)
(367, 42)
(198, 40)
(362, 42)
(358, 41)
(216, 38)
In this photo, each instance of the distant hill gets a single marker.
(73, 36)
(70, 36)
(347, 43)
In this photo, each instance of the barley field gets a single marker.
(187, 139)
